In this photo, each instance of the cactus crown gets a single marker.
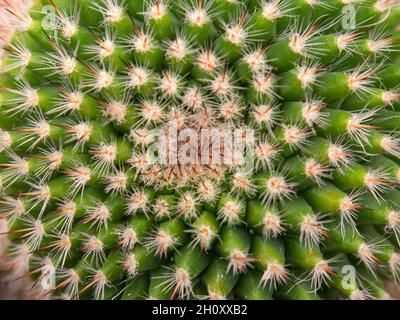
(306, 183)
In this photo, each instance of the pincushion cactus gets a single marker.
(310, 88)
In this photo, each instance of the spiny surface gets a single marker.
(313, 87)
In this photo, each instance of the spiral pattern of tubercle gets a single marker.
(83, 86)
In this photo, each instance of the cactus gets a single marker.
(86, 86)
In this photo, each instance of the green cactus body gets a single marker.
(95, 208)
